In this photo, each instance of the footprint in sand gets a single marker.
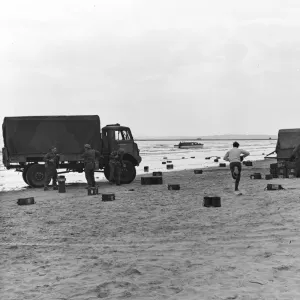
(115, 288)
(132, 271)
(239, 193)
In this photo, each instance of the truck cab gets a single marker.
(114, 137)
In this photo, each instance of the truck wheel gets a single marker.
(35, 175)
(24, 173)
(128, 173)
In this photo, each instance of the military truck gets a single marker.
(27, 139)
(287, 140)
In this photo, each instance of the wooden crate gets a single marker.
(291, 173)
(151, 180)
(290, 165)
(281, 164)
(282, 172)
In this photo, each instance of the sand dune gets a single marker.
(152, 243)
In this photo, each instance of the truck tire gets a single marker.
(35, 175)
(24, 173)
(128, 173)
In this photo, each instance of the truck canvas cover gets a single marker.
(288, 139)
(36, 135)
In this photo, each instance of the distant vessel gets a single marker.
(189, 145)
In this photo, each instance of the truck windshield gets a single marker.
(123, 135)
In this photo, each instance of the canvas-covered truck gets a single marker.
(28, 139)
(286, 166)
(287, 140)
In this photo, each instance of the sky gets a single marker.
(161, 67)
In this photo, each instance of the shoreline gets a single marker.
(138, 176)
(199, 140)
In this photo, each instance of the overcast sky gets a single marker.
(162, 67)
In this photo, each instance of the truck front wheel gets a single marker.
(35, 175)
(128, 172)
(24, 173)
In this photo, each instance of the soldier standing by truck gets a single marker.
(51, 160)
(90, 155)
(115, 166)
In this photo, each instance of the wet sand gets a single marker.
(152, 243)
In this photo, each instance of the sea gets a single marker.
(153, 153)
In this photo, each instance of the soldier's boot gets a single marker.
(46, 188)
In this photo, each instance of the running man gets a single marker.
(235, 156)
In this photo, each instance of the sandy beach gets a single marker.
(152, 243)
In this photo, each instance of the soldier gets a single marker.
(115, 166)
(51, 160)
(90, 155)
(296, 157)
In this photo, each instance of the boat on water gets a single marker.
(189, 145)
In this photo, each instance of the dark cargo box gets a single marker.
(35, 135)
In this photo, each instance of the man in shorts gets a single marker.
(235, 156)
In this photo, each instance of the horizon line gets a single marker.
(208, 139)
